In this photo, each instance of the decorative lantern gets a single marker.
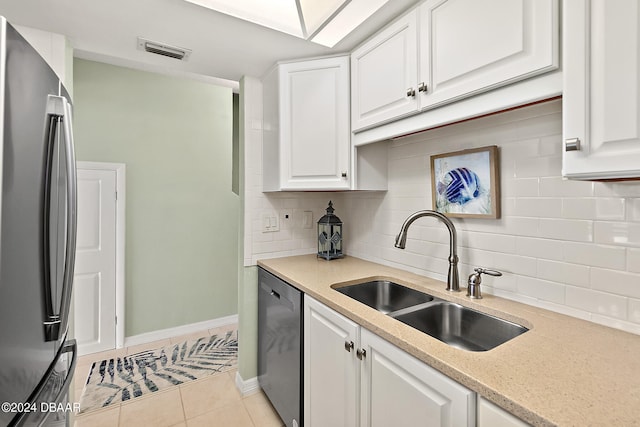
(330, 235)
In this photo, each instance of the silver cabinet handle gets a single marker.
(411, 92)
(361, 353)
(348, 345)
(572, 144)
(422, 87)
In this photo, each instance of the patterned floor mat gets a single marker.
(123, 378)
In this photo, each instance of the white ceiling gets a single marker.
(223, 46)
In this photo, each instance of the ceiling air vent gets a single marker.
(164, 49)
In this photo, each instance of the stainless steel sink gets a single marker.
(451, 323)
(461, 327)
(385, 296)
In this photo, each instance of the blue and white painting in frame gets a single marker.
(465, 184)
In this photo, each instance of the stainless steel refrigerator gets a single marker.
(37, 237)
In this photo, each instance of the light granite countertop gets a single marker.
(564, 371)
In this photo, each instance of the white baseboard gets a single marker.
(247, 387)
(179, 330)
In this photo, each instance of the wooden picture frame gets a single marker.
(466, 184)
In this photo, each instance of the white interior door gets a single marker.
(95, 271)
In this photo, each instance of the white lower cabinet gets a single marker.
(331, 373)
(355, 378)
(399, 390)
(489, 415)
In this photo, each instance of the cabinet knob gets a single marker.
(411, 92)
(344, 174)
(572, 144)
(422, 87)
(361, 353)
(348, 345)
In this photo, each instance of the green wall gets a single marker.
(182, 218)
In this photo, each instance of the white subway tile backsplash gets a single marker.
(568, 246)
(541, 289)
(617, 189)
(527, 187)
(634, 310)
(617, 233)
(612, 257)
(579, 208)
(490, 241)
(551, 146)
(566, 229)
(633, 260)
(506, 282)
(610, 209)
(508, 207)
(634, 328)
(556, 186)
(565, 309)
(616, 282)
(539, 248)
(538, 167)
(597, 302)
(540, 207)
(517, 150)
(476, 258)
(633, 209)
(563, 272)
(514, 264)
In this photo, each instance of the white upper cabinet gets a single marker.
(469, 46)
(601, 101)
(446, 50)
(384, 74)
(306, 142)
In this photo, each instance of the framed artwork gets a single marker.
(466, 184)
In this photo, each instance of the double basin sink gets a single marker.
(451, 323)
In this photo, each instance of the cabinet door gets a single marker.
(489, 415)
(331, 370)
(471, 46)
(400, 390)
(315, 137)
(601, 100)
(382, 71)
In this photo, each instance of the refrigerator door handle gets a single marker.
(72, 218)
(70, 346)
(59, 260)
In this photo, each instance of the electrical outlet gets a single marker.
(286, 218)
(270, 222)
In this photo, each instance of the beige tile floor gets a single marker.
(213, 401)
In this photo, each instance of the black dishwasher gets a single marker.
(280, 346)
